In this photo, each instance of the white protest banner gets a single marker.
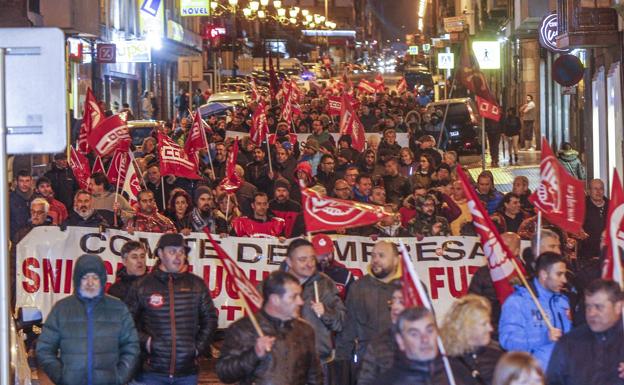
(45, 261)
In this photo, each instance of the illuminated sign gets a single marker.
(175, 31)
(446, 61)
(413, 50)
(151, 18)
(133, 51)
(487, 54)
(426, 47)
(194, 8)
(548, 33)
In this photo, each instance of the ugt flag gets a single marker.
(80, 166)
(350, 124)
(92, 115)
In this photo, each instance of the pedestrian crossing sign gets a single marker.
(446, 61)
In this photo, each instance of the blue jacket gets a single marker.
(521, 327)
(491, 201)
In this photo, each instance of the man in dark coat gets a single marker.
(596, 209)
(89, 337)
(19, 201)
(175, 316)
(133, 258)
(592, 353)
(283, 207)
(285, 354)
(63, 180)
(397, 186)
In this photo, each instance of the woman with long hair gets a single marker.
(178, 210)
(518, 368)
(225, 213)
(408, 164)
(423, 173)
(467, 336)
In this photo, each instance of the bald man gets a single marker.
(482, 284)
(596, 209)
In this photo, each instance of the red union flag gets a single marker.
(334, 105)
(259, 125)
(111, 134)
(231, 183)
(401, 86)
(559, 196)
(350, 124)
(196, 140)
(287, 110)
(488, 109)
(500, 259)
(615, 233)
(367, 87)
(379, 82)
(98, 166)
(411, 297)
(323, 213)
(173, 159)
(132, 185)
(255, 95)
(118, 167)
(242, 284)
(80, 167)
(92, 115)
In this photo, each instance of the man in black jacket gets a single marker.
(133, 258)
(285, 354)
(174, 314)
(592, 353)
(63, 180)
(596, 209)
(283, 207)
(83, 214)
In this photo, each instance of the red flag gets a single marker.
(488, 109)
(118, 167)
(408, 285)
(255, 95)
(334, 105)
(367, 87)
(92, 116)
(323, 213)
(471, 76)
(242, 284)
(259, 125)
(379, 82)
(109, 135)
(80, 167)
(560, 197)
(615, 233)
(132, 185)
(287, 109)
(273, 80)
(196, 139)
(500, 259)
(350, 124)
(231, 183)
(173, 159)
(98, 166)
(401, 86)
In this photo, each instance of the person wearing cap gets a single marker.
(312, 154)
(89, 337)
(57, 211)
(327, 264)
(63, 180)
(261, 223)
(175, 316)
(147, 217)
(283, 207)
(426, 145)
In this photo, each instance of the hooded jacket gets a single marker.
(570, 160)
(96, 337)
(521, 327)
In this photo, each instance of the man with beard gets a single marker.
(262, 222)
(366, 297)
(326, 174)
(342, 189)
(83, 213)
(324, 251)
(218, 164)
(427, 223)
(62, 179)
(155, 185)
(245, 193)
(134, 267)
(57, 212)
(285, 164)
(320, 134)
(147, 217)
(201, 216)
(258, 171)
(286, 354)
(290, 211)
(397, 186)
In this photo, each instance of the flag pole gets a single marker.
(539, 231)
(253, 319)
(227, 208)
(203, 132)
(532, 294)
(269, 154)
(137, 169)
(427, 304)
(162, 190)
(121, 161)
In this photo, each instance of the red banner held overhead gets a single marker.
(615, 233)
(367, 87)
(118, 167)
(231, 183)
(350, 124)
(334, 105)
(110, 135)
(259, 125)
(92, 115)
(196, 140)
(559, 196)
(80, 166)
(174, 160)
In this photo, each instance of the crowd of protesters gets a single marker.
(320, 324)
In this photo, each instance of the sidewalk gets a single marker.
(505, 174)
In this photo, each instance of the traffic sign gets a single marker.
(487, 54)
(446, 61)
(567, 70)
(413, 50)
(106, 53)
(426, 47)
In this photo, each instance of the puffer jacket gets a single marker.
(521, 327)
(367, 303)
(570, 160)
(292, 360)
(379, 357)
(174, 310)
(96, 337)
(122, 285)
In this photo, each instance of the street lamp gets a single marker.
(281, 12)
(277, 4)
(261, 14)
(233, 3)
(254, 5)
(247, 12)
(264, 3)
(305, 12)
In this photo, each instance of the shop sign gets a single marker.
(446, 61)
(194, 8)
(175, 31)
(487, 54)
(134, 51)
(426, 47)
(548, 33)
(106, 53)
(454, 24)
(151, 18)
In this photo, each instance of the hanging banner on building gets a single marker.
(194, 8)
(45, 262)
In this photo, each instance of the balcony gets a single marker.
(586, 24)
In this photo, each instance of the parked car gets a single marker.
(237, 99)
(462, 124)
(141, 129)
(418, 75)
